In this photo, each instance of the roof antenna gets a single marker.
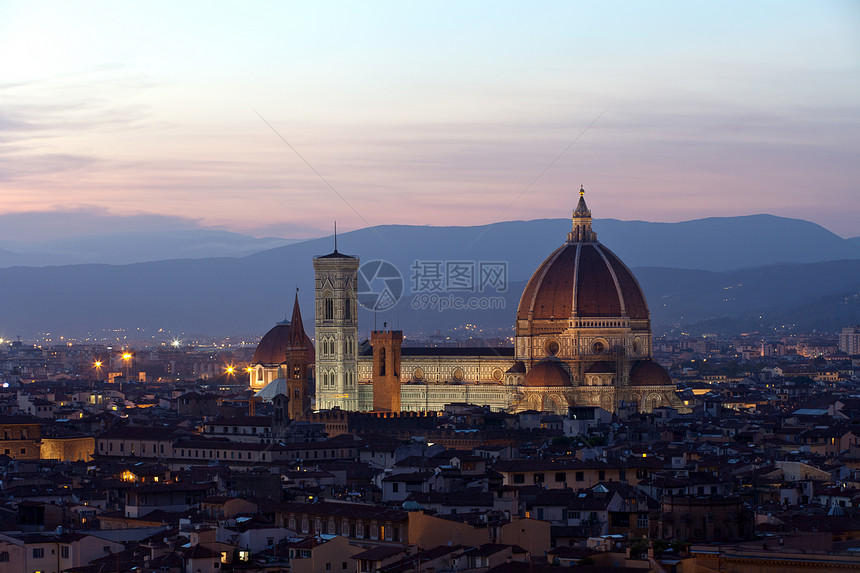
(335, 236)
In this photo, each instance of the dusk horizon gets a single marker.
(254, 120)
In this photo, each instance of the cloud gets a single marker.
(714, 153)
(83, 221)
(21, 165)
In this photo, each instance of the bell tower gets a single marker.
(296, 370)
(386, 369)
(336, 312)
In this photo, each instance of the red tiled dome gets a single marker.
(272, 349)
(583, 279)
(648, 373)
(547, 373)
(601, 367)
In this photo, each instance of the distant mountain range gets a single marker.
(719, 243)
(725, 269)
(768, 299)
(134, 247)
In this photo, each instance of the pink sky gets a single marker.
(421, 116)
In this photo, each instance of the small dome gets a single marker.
(272, 349)
(548, 373)
(519, 367)
(648, 373)
(601, 367)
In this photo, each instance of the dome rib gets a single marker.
(575, 280)
(614, 279)
(585, 280)
(536, 284)
(634, 299)
(597, 295)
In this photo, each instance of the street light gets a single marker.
(126, 357)
(98, 366)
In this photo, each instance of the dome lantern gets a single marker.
(581, 218)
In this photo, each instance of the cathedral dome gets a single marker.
(583, 279)
(648, 373)
(548, 373)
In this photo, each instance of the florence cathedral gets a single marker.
(582, 338)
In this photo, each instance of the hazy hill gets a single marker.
(134, 247)
(229, 296)
(712, 244)
(249, 294)
(11, 259)
(725, 243)
(823, 296)
(768, 297)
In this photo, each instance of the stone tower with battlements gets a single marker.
(386, 369)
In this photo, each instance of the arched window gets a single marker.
(328, 308)
(347, 309)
